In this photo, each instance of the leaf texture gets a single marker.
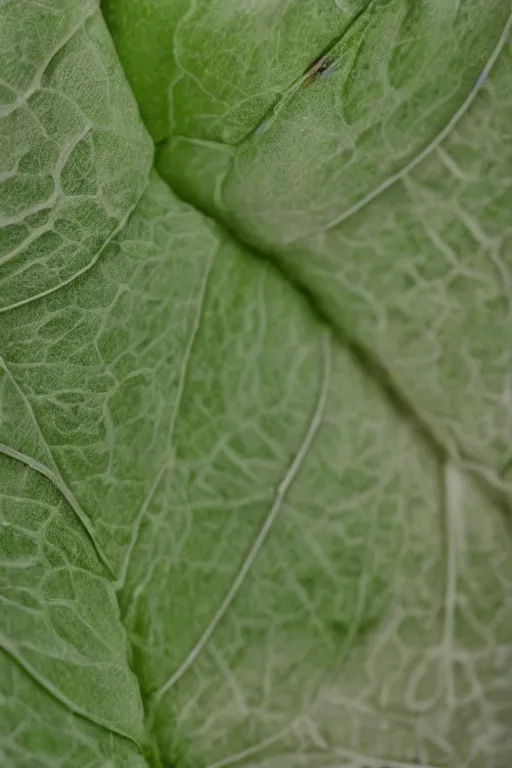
(254, 396)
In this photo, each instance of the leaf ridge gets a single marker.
(36, 80)
(91, 263)
(426, 151)
(54, 692)
(246, 566)
(51, 473)
(179, 396)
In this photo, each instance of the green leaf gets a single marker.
(60, 619)
(36, 731)
(385, 191)
(254, 450)
(67, 118)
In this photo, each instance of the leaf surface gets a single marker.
(254, 450)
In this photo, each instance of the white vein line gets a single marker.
(354, 757)
(120, 581)
(377, 762)
(50, 203)
(488, 474)
(46, 684)
(6, 110)
(441, 136)
(66, 492)
(53, 473)
(122, 221)
(179, 396)
(251, 751)
(90, 264)
(190, 345)
(454, 506)
(265, 529)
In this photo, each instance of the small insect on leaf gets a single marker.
(318, 67)
(329, 71)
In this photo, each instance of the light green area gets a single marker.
(210, 70)
(227, 537)
(67, 118)
(59, 617)
(36, 731)
(385, 190)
